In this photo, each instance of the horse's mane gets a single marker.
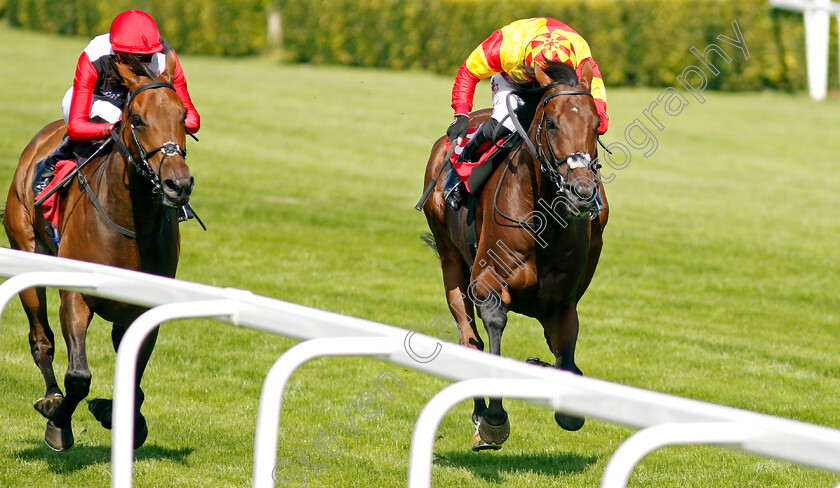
(136, 67)
(531, 92)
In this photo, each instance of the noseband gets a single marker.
(167, 149)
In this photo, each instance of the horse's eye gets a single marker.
(136, 120)
(550, 125)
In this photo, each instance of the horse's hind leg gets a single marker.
(456, 281)
(42, 345)
(102, 408)
(561, 331)
(34, 301)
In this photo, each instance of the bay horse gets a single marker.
(118, 211)
(538, 238)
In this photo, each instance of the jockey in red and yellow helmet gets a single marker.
(505, 55)
(94, 103)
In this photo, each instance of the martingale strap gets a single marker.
(101, 210)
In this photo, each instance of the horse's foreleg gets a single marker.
(75, 319)
(102, 408)
(561, 331)
(494, 427)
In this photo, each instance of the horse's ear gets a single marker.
(171, 61)
(586, 75)
(126, 74)
(542, 78)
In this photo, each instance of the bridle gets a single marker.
(143, 167)
(548, 161)
(167, 149)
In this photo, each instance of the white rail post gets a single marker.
(125, 371)
(816, 14)
(271, 398)
(425, 429)
(816, 49)
(637, 446)
(59, 279)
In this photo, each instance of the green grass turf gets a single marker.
(717, 282)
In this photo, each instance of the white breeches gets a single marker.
(500, 88)
(99, 108)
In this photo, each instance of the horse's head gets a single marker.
(565, 134)
(153, 131)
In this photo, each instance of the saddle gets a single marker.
(61, 178)
(483, 168)
(488, 160)
(51, 205)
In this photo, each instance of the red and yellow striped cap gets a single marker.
(552, 46)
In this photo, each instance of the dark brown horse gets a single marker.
(538, 237)
(136, 181)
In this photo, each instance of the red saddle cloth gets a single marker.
(465, 168)
(51, 204)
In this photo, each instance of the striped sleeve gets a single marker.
(599, 91)
(483, 62)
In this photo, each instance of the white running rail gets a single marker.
(663, 419)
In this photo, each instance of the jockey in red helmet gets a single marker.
(94, 103)
(503, 56)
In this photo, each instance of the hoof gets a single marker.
(101, 410)
(568, 422)
(480, 445)
(489, 436)
(141, 430)
(57, 438)
(48, 405)
(539, 362)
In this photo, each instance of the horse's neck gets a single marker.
(126, 195)
(528, 181)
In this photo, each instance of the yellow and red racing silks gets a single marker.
(523, 43)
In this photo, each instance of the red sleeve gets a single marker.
(483, 62)
(601, 108)
(79, 126)
(463, 91)
(193, 121)
(598, 93)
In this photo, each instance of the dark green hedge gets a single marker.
(636, 42)
(215, 27)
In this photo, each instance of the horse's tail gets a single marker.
(429, 240)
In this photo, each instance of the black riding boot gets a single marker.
(45, 169)
(453, 190)
(453, 187)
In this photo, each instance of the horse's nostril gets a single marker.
(583, 188)
(172, 187)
